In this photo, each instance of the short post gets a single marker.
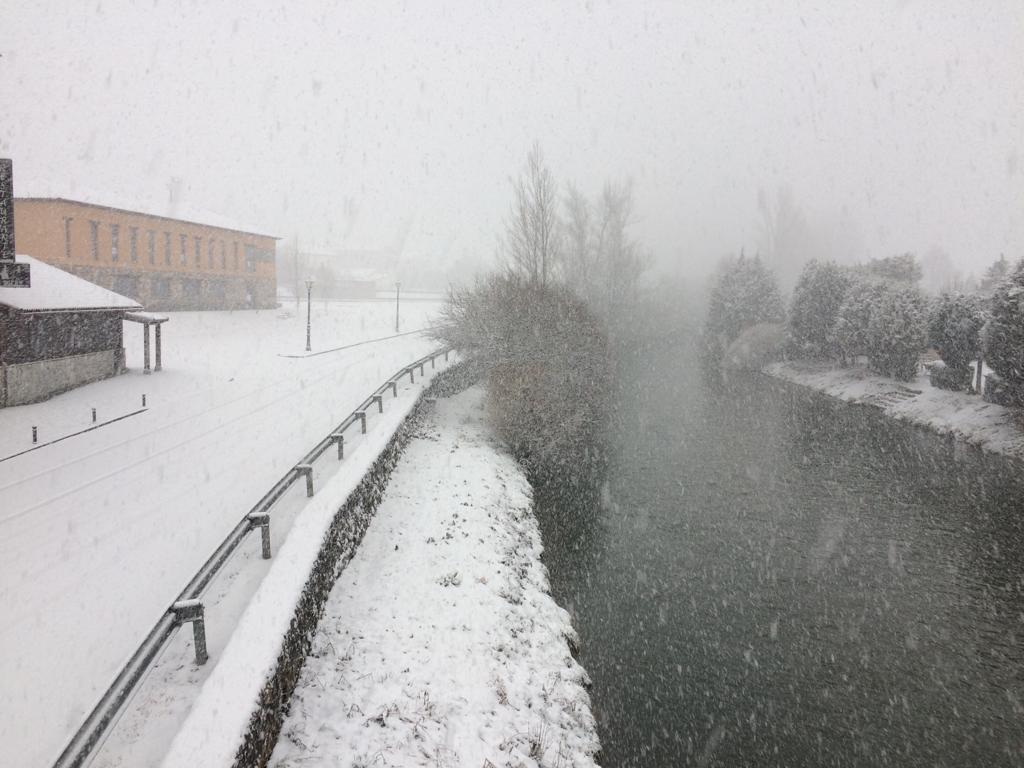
(379, 399)
(307, 470)
(156, 333)
(432, 363)
(339, 438)
(143, 399)
(145, 347)
(262, 519)
(192, 611)
(412, 375)
(35, 436)
(421, 368)
(394, 388)
(93, 415)
(361, 415)
(446, 355)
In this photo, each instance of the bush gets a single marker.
(1004, 340)
(744, 294)
(897, 332)
(954, 328)
(548, 371)
(814, 310)
(849, 335)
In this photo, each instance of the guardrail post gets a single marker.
(412, 375)
(421, 368)
(262, 519)
(446, 355)
(394, 388)
(361, 415)
(432, 365)
(379, 399)
(307, 470)
(192, 611)
(339, 438)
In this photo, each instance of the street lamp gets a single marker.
(398, 288)
(309, 293)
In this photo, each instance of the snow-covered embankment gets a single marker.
(441, 644)
(991, 427)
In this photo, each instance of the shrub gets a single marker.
(814, 309)
(548, 371)
(954, 328)
(1004, 340)
(849, 335)
(897, 332)
(744, 294)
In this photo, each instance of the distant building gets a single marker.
(160, 262)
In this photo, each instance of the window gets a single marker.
(127, 285)
(236, 256)
(162, 285)
(223, 256)
(198, 242)
(209, 253)
(115, 234)
(133, 243)
(250, 258)
(184, 249)
(94, 240)
(151, 246)
(67, 236)
(167, 248)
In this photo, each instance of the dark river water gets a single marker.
(775, 578)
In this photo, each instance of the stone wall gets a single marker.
(23, 383)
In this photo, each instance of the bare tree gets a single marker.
(619, 261)
(579, 256)
(532, 244)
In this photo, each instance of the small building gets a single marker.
(57, 333)
(163, 263)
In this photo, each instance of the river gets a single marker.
(776, 578)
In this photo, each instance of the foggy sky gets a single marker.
(352, 125)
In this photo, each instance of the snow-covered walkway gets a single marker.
(991, 427)
(440, 644)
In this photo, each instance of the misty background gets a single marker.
(882, 127)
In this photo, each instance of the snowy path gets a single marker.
(99, 533)
(991, 427)
(440, 645)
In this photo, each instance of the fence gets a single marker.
(188, 607)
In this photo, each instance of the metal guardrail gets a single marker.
(188, 607)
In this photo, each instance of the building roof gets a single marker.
(54, 289)
(203, 219)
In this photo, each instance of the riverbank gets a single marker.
(991, 427)
(440, 643)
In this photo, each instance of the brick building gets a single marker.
(163, 263)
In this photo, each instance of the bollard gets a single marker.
(307, 470)
(262, 519)
(339, 438)
(93, 415)
(143, 401)
(192, 611)
(34, 435)
(379, 399)
(361, 415)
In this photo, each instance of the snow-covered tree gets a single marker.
(814, 309)
(994, 275)
(902, 269)
(850, 333)
(897, 332)
(1004, 339)
(954, 329)
(744, 294)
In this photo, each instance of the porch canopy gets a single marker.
(147, 319)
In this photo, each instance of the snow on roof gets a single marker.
(53, 288)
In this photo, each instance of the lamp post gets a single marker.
(398, 288)
(309, 293)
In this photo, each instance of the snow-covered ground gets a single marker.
(440, 644)
(991, 427)
(99, 532)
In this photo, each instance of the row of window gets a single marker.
(215, 250)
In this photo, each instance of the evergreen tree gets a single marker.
(744, 294)
(814, 309)
(954, 327)
(1004, 341)
(850, 332)
(897, 332)
(994, 275)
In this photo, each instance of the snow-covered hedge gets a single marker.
(850, 332)
(954, 328)
(814, 309)
(1004, 340)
